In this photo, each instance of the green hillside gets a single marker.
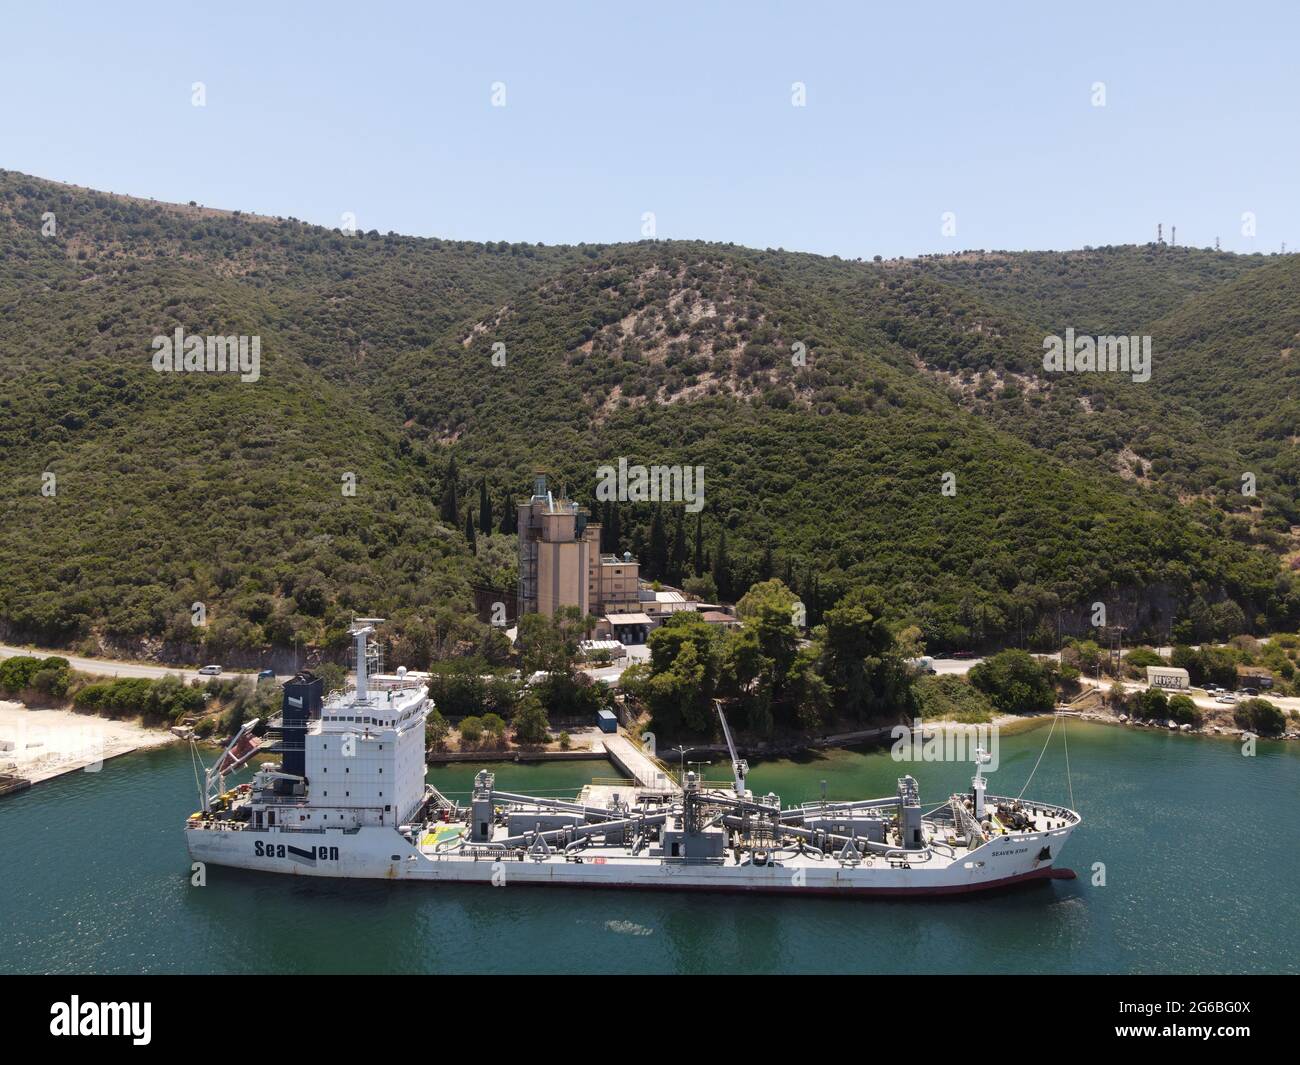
(1188, 433)
(1098, 290)
(381, 359)
(828, 474)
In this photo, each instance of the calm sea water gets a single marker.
(1200, 846)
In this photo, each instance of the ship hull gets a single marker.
(382, 853)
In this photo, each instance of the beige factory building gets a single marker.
(560, 563)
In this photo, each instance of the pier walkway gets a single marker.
(639, 766)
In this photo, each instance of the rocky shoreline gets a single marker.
(1169, 725)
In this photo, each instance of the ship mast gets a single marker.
(362, 628)
(978, 783)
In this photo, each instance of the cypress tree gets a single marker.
(658, 545)
(722, 569)
(484, 509)
(509, 518)
(469, 531)
(615, 530)
(677, 560)
(700, 564)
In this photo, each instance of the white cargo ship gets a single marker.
(348, 798)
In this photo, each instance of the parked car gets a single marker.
(266, 674)
(962, 654)
(1226, 697)
(210, 671)
(1252, 692)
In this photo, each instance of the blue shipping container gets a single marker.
(607, 721)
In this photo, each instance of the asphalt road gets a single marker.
(1284, 703)
(955, 665)
(110, 667)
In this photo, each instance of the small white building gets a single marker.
(590, 649)
(1167, 677)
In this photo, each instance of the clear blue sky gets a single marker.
(912, 110)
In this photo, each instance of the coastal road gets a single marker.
(959, 666)
(1283, 702)
(110, 667)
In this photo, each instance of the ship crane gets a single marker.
(739, 767)
(242, 746)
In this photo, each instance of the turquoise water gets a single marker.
(1200, 846)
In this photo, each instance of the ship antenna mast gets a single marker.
(362, 628)
(978, 783)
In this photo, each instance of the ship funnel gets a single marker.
(301, 704)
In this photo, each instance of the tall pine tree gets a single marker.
(677, 560)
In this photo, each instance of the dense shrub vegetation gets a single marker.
(378, 369)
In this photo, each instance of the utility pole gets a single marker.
(1115, 634)
(682, 752)
(1160, 232)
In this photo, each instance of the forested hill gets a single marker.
(1097, 290)
(826, 400)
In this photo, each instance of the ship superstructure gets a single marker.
(348, 798)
